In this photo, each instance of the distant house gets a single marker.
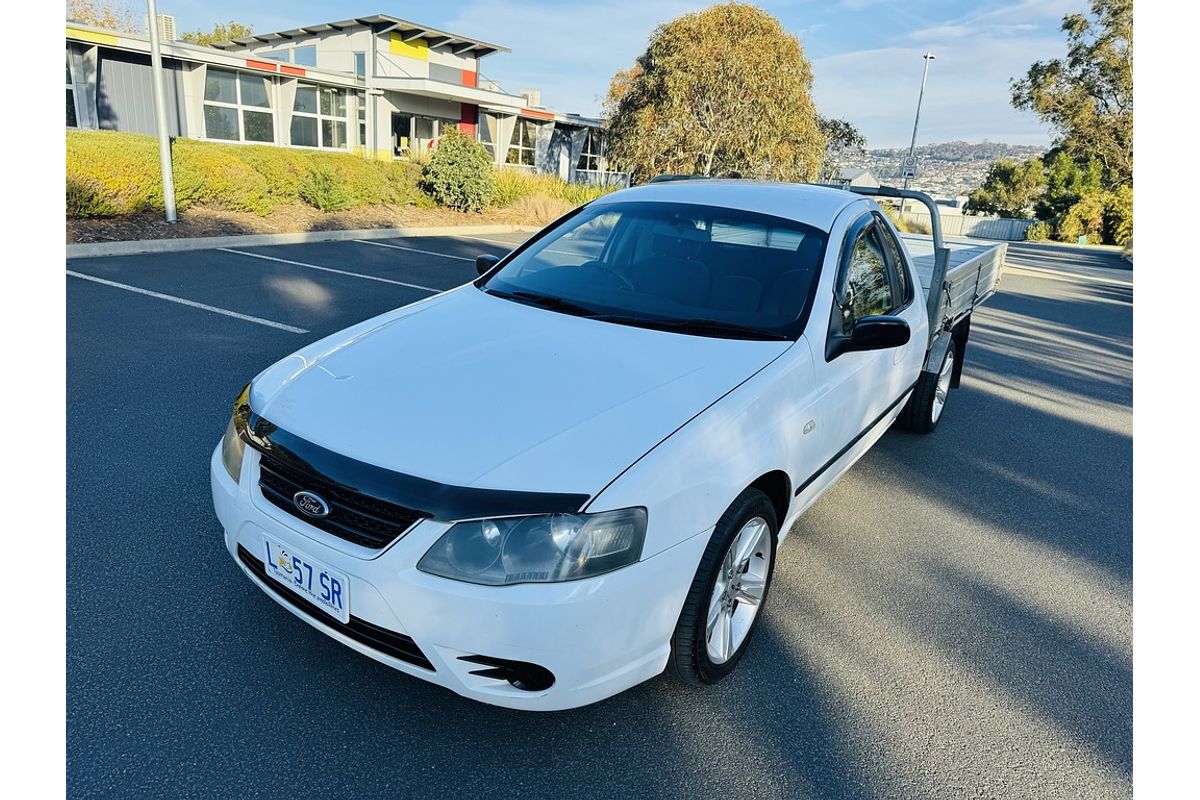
(853, 176)
(951, 205)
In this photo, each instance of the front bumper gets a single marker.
(598, 636)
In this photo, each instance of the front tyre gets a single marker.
(924, 407)
(726, 598)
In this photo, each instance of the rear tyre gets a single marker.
(725, 601)
(928, 400)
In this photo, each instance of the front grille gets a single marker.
(390, 643)
(353, 516)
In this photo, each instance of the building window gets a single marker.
(360, 63)
(72, 117)
(277, 55)
(521, 148)
(593, 151)
(305, 56)
(237, 107)
(319, 117)
(360, 104)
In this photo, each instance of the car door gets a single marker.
(910, 305)
(854, 386)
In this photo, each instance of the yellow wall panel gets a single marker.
(91, 36)
(417, 48)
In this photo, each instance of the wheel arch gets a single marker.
(777, 486)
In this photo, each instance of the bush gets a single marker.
(216, 175)
(1038, 232)
(1085, 218)
(325, 190)
(111, 174)
(1118, 217)
(459, 174)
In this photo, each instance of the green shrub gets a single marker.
(1038, 232)
(325, 190)
(216, 175)
(111, 174)
(1118, 217)
(459, 174)
(1084, 218)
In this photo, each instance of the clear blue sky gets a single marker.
(866, 54)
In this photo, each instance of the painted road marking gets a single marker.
(330, 269)
(511, 245)
(1075, 277)
(203, 306)
(412, 250)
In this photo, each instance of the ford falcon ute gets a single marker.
(574, 473)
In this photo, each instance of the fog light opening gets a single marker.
(519, 674)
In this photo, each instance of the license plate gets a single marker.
(309, 578)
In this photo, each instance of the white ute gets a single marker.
(552, 483)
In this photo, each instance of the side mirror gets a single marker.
(485, 262)
(875, 332)
(878, 333)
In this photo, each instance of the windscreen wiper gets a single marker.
(545, 301)
(700, 326)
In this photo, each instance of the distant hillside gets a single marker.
(946, 169)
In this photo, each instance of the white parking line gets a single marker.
(511, 245)
(203, 306)
(412, 250)
(330, 269)
(1073, 277)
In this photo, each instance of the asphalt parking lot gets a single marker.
(953, 619)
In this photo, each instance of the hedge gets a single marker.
(111, 174)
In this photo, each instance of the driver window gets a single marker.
(868, 290)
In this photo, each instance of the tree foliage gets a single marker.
(841, 139)
(220, 33)
(115, 15)
(1066, 184)
(1010, 189)
(723, 91)
(1088, 97)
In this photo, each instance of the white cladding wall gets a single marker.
(335, 49)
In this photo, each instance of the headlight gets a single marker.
(542, 549)
(233, 446)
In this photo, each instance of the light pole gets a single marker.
(160, 115)
(916, 122)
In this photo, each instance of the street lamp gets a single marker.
(160, 114)
(910, 162)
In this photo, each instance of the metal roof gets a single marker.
(459, 45)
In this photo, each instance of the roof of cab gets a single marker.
(810, 204)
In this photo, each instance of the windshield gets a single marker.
(690, 268)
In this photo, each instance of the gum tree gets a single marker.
(1088, 96)
(723, 91)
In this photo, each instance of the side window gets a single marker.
(867, 286)
(896, 256)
